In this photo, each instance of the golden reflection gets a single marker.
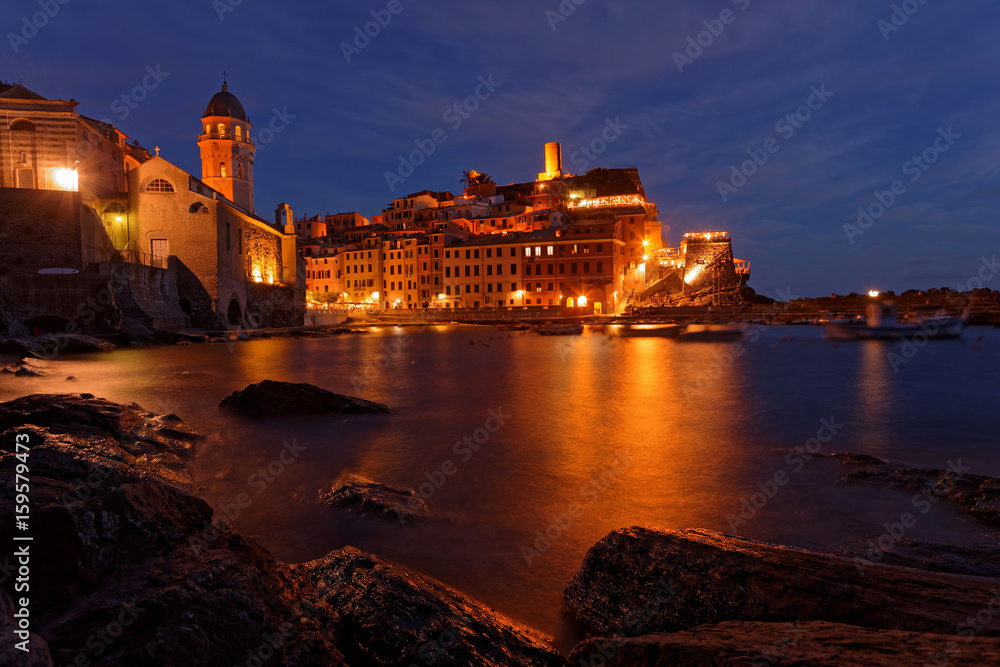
(875, 394)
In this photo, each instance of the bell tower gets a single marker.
(226, 148)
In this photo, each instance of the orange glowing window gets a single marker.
(159, 185)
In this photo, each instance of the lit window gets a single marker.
(222, 169)
(159, 185)
(239, 132)
(222, 128)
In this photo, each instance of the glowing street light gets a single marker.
(66, 179)
(873, 293)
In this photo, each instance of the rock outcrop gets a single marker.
(133, 571)
(676, 580)
(391, 616)
(27, 367)
(813, 643)
(977, 495)
(273, 399)
(367, 496)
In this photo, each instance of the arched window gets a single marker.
(159, 185)
(222, 169)
(198, 207)
(208, 129)
(222, 128)
(114, 208)
(22, 126)
(239, 132)
(24, 157)
(239, 171)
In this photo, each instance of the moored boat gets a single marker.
(882, 323)
(549, 329)
(712, 333)
(651, 330)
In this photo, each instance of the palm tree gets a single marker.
(473, 177)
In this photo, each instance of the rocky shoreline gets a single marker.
(133, 570)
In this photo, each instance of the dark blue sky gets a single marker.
(892, 90)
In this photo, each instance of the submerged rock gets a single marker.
(51, 345)
(27, 368)
(977, 495)
(675, 580)
(374, 497)
(392, 616)
(813, 643)
(271, 399)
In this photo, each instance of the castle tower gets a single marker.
(553, 162)
(226, 149)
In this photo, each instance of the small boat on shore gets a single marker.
(651, 330)
(513, 326)
(882, 323)
(712, 333)
(549, 329)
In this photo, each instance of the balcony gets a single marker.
(227, 137)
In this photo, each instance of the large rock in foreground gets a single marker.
(274, 399)
(675, 580)
(392, 616)
(127, 568)
(814, 643)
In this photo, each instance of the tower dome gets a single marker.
(227, 150)
(224, 103)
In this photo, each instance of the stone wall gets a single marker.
(42, 229)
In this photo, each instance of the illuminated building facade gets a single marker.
(132, 209)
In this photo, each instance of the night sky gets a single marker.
(892, 85)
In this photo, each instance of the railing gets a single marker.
(231, 137)
(128, 257)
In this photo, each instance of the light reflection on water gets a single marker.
(632, 431)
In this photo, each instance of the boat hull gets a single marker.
(651, 331)
(712, 333)
(938, 328)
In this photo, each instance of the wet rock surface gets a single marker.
(368, 497)
(274, 399)
(977, 560)
(133, 571)
(813, 643)
(392, 616)
(977, 495)
(715, 577)
(28, 367)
